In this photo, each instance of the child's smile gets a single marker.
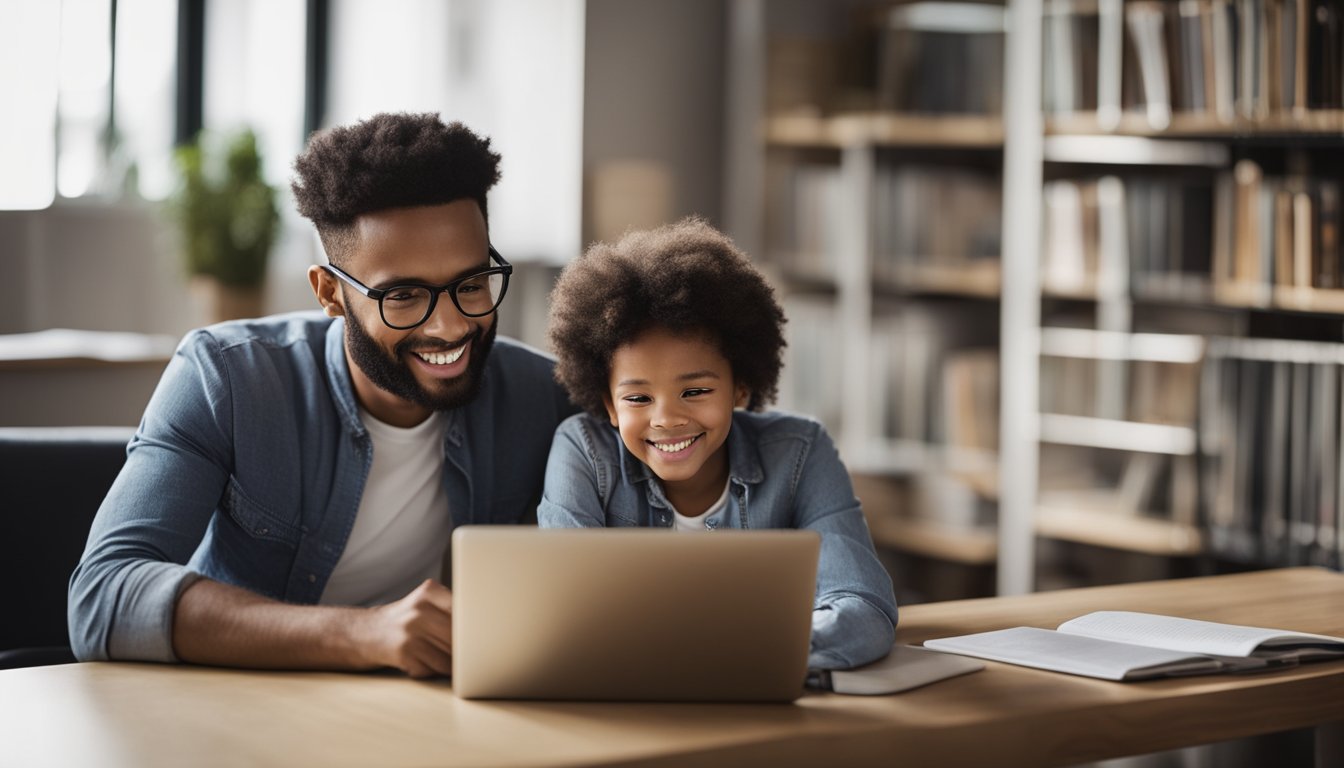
(672, 398)
(676, 449)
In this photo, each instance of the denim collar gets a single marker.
(343, 390)
(744, 457)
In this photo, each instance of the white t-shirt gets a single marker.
(402, 527)
(681, 522)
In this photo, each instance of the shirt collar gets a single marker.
(338, 378)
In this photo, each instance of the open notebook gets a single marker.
(1128, 645)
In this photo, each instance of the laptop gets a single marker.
(632, 614)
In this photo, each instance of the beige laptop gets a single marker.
(632, 614)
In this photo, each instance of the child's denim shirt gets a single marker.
(784, 472)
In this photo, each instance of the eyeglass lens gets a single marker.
(409, 305)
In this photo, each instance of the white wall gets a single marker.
(568, 95)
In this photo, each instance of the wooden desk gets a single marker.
(149, 715)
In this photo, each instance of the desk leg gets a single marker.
(1330, 744)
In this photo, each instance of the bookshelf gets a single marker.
(1096, 299)
(1217, 169)
(874, 203)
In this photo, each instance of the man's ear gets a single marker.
(326, 290)
(611, 410)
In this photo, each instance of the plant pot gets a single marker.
(221, 302)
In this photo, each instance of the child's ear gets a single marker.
(743, 396)
(611, 410)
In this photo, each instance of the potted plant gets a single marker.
(228, 221)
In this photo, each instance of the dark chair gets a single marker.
(52, 480)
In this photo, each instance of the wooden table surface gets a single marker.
(117, 714)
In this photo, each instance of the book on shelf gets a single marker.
(1276, 231)
(1325, 46)
(1156, 232)
(1070, 42)
(1145, 24)
(936, 217)
(1325, 246)
(1130, 646)
(1222, 28)
(1270, 450)
(971, 399)
(811, 358)
(1070, 237)
(802, 210)
(1215, 59)
(1195, 48)
(942, 58)
(934, 378)
(1324, 458)
(900, 355)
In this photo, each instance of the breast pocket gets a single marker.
(254, 520)
(249, 546)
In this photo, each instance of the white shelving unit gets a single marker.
(1106, 142)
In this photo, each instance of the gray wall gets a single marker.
(653, 96)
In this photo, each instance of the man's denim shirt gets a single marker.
(784, 472)
(249, 465)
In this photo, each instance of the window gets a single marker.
(29, 35)
(91, 113)
(509, 69)
(254, 76)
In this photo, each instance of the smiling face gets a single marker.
(672, 399)
(401, 376)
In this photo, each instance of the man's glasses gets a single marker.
(405, 306)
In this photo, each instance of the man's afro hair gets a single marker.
(391, 160)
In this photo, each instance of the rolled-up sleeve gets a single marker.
(854, 617)
(134, 566)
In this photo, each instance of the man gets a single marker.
(288, 497)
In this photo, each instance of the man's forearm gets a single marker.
(216, 623)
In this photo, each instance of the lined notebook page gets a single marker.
(1178, 634)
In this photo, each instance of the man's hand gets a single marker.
(415, 633)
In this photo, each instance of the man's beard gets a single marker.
(393, 375)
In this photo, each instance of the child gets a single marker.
(661, 338)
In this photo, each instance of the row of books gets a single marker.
(1106, 235)
(942, 58)
(1225, 59)
(804, 211)
(924, 215)
(933, 372)
(1140, 391)
(931, 215)
(1236, 235)
(1271, 457)
(1277, 231)
(813, 359)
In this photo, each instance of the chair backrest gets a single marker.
(52, 480)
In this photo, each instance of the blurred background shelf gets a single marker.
(1093, 518)
(1116, 434)
(884, 129)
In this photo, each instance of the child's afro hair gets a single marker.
(685, 277)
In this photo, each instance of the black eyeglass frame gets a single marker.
(504, 269)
